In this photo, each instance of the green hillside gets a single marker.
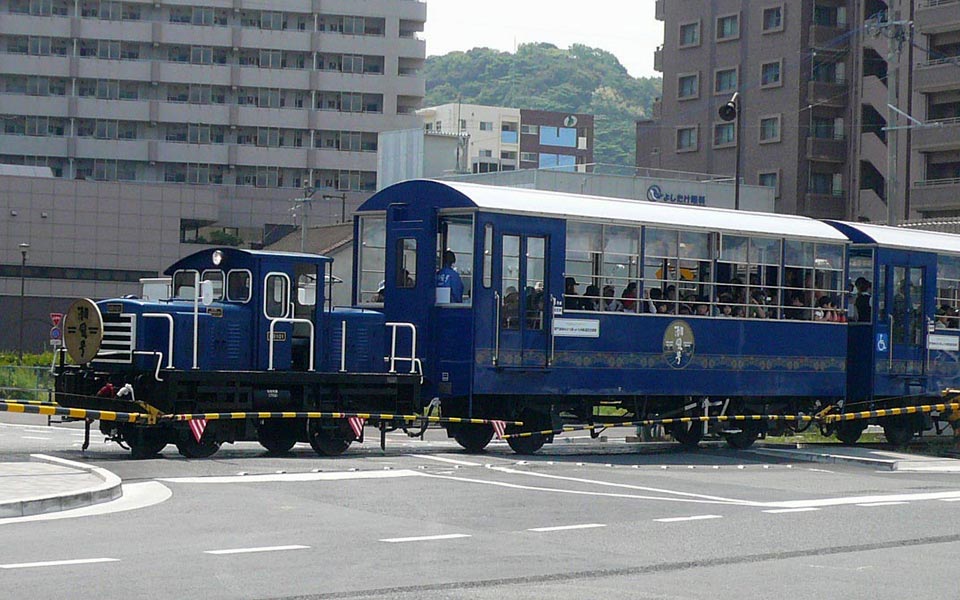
(542, 76)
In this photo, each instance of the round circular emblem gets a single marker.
(83, 331)
(654, 193)
(678, 344)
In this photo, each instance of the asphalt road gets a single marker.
(585, 519)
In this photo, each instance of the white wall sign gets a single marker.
(947, 343)
(584, 328)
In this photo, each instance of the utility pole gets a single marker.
(896, 34)
(304, 202)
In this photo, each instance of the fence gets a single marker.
(26, 383)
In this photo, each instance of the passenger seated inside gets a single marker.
(511, 308)
(656, 304)
(571, 299)
(610, 302)
(629, 297)
(861, 304)
(725, 305)
(591, 300)
(448, 277)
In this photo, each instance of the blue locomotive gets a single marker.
(540, 307)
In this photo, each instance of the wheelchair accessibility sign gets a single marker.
(883, 342)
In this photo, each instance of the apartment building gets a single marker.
(814, 118)
(507, 139)
(243, 92)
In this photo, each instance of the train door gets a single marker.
(523, 297)
(906, 319)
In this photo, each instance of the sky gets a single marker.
(625, 28)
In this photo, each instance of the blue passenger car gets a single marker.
(575, 304)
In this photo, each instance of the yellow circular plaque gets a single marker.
(83, 331)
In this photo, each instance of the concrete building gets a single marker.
(812, 78)
(244, 92)
(420, 154)
(507, 139)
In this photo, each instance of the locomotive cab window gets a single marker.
(406, 276)
(238, 286)
(371, 260)
(276, 296)
(216, 279)
(185, 285)
(455, 259)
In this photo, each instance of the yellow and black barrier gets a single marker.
(890, 412)
(670, 421)
(74, 413)
(235, 416)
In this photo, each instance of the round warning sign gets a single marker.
(83, 331)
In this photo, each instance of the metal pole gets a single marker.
(23, 300)
(893, 65)
(736, 181)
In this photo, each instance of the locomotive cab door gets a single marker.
(903, 325)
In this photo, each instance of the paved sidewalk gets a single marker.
(887, 460)
(48, 484)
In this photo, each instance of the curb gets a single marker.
(887, 464)
(109, 489)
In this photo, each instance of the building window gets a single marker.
(725, 81)
(486, 125)
(528, 129)
(724, 134)
(688, 86)
(770, 74)
(770, 129)
(690, 35)
(826, 183)
(728, 28)
(773, 19)
(687, 139)
(528, 156)
(770, 179)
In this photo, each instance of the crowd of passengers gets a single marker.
(733, 300)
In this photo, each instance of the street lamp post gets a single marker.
(730, 112)
(343, 204)
(23, 267)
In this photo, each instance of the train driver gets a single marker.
(448, 277)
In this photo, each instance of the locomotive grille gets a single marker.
(119, 339)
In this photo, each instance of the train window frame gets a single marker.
(249, 287)
(487, 276)
(369, 281)
(175, 288)
(947, 309)
(217, 294)
(670, 263)
(286, 293)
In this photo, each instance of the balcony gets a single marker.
(936, 75)
(831, 205)
(936, 16)
(658, 59)
(828, 93)
(824, 37)
(938, 135)
(935, 195)
(827, 149)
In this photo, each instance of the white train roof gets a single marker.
(910, 239)
(558, 204)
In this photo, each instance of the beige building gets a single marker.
(815, 120)
(245, 92)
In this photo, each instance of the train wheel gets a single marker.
(898, 430)
(189, 447)
(748, 433)
(526, 445)
(473, 438)
(277, 436)
(848, 432)
(326, 440)
(688, 434)
(145, 442)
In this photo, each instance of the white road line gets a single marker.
(567, 527)
(790, 510)
(447, 460)
(59, 563)
(33, 437)
(694, 518)
(293, 477)
(251, 550)
(882, 503)
(863, 500)
(426, 538)
(685, 496)
(949, 499)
